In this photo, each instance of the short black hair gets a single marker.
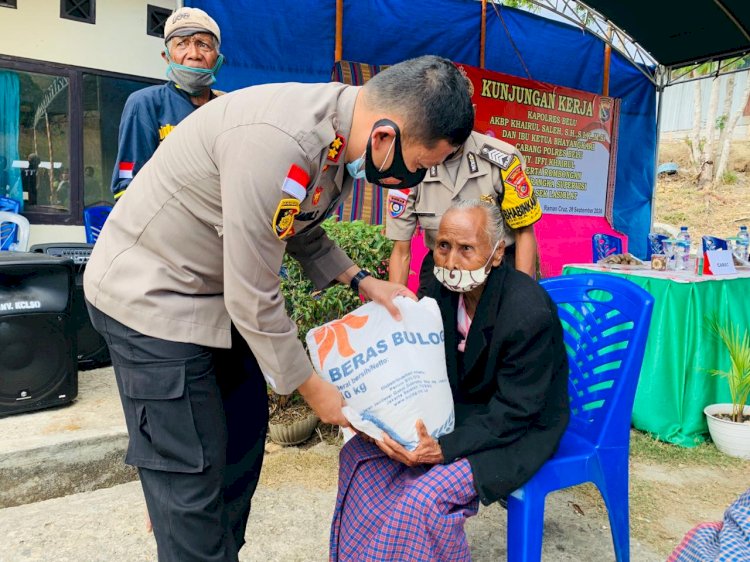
(429, 94)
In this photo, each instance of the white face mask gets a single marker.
(464, 280)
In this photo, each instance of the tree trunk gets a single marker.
(695, 134)
(731, 123)
(726, 112)
(706, 174)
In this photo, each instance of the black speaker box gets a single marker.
(37, 341)
(92, 349)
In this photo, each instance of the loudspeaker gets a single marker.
(37, 341)
(92, 349)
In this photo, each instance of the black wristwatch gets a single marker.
(361, 274)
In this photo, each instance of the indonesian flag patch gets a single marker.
(125, 171)
(295, 183)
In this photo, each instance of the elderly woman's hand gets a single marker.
(427, 452)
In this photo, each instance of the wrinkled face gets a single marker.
(462, 241)
(416, 156)
(196, 51)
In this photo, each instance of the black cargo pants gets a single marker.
(197, 420)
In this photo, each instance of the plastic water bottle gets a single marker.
(743, 242)
(682, 249)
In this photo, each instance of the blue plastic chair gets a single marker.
(603, 245)
(94, 218)
(8, 230)
(605, 322)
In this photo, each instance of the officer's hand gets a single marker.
(325, 399)
(383, 292)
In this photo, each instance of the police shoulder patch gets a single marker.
(496, 156)
(397, 202)
(283, 218)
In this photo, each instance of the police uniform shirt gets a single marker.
(197, 241)
(489, 169)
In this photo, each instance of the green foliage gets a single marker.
(738, 375)
(365, 244)
(526, 4)
(721, 121)
(676, 217)
(729, 177)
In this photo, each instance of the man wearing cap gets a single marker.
(483, 168)
(192, 40)
(184, 285)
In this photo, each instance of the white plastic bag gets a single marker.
(390, 373)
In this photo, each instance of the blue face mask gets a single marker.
(192, 80)
(356, 168)
(397, 170)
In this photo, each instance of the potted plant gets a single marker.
(729, 424)
(291, 421)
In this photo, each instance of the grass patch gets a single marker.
(675, 217)
(645, 448)
(729, 178)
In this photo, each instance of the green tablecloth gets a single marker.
(675, 384)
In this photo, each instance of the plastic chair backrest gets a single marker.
(8, 230)
(22, 231)
(603, 245)
(605, 323)
(94, 218)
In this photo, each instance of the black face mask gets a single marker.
(398, 168)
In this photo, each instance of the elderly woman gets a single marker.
(508, 371)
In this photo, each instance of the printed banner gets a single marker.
(568, 137)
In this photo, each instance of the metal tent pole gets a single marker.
(660, 93)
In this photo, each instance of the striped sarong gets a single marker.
(725, 541)
(388, 511)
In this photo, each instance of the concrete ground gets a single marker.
(66, 496)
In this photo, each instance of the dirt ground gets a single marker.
(713, 211)
(671, 489)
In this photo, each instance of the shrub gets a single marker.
(365, 244)
(729, 178)
(738, 376)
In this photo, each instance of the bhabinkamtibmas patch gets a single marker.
(520, 206)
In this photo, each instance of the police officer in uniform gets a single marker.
(483, 168)
(183, 282)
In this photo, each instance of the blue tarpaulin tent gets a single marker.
(294, 41)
